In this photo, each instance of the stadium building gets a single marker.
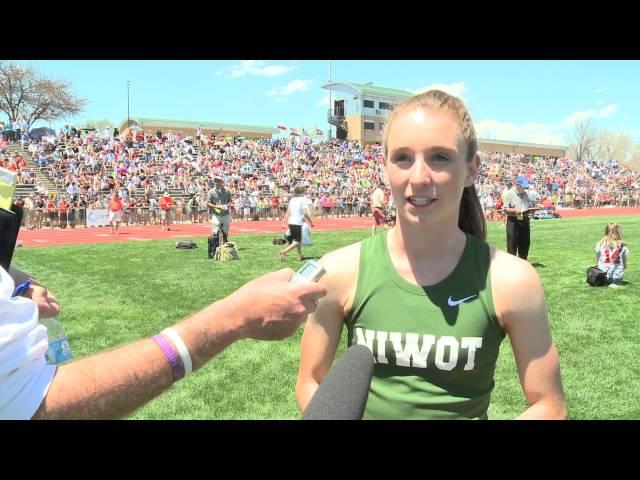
(188, 128)
(359, 110)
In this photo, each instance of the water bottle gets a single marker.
(59, 350)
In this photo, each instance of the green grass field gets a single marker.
(116, 293)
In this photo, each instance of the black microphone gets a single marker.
(343, 393)
(9, 228)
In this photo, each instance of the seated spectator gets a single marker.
(611, 254)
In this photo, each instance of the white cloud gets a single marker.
(528, 133)
(578, 116)
(607, 111)
(291, 87)
(600, 102)
(601, 89)
(456, 89)
(253, 67)
(323, 102)
(550, 134)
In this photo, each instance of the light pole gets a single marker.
(128, 120)
(330, 105)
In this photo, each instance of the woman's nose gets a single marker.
(420, 172)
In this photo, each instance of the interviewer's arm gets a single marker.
(114, 383)
(46, 302)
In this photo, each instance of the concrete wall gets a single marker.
(354, 127)
(355, 124)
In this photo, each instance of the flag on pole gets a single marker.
(294, 132)
(282, 127)
(318, 131)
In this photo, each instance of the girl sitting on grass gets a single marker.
(611, 254)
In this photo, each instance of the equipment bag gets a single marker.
(596, 277)
(185, 244)
(227, 251)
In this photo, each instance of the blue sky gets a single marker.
(528, 101)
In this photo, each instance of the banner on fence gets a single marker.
(97, 217)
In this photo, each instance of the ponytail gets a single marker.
(471, 219)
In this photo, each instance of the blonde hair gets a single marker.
(612, 236)
(471, 217)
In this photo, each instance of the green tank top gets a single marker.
(435, 347)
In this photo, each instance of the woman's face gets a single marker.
(426, 166)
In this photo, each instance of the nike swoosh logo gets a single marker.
(455, 303)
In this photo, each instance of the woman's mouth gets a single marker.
(420, 201)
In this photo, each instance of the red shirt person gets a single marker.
(166, 204)
(63, 208)
(115, 212)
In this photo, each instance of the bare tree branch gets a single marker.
(635, 158)
(26, 93)
(583, 140)
(611, 146)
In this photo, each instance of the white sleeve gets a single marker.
(24, 375)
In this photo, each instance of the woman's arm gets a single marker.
(520, 306)
(323, 329)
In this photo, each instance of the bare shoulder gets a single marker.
(342, 260)
(511, 270)
(341, 278)
(515, 284)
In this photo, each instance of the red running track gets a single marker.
(599, 212)
(70, 236)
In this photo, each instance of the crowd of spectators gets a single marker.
(86, 165)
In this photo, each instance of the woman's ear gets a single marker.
(473, 167)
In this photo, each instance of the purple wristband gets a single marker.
(174, 360)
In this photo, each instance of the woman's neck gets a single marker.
(428, 242)
(426, 257)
